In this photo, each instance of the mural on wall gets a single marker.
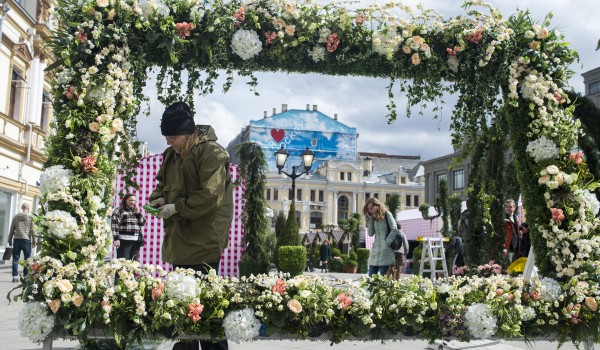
(297, 129)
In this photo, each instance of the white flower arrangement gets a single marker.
(241, 325)
(551, 290)
(480, 321)
(181, 286)
(246, 44)
(35, 322)
(542, 149)
(55, 178)
(61, 224)
(588, 200)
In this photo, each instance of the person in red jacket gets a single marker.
(511, 231)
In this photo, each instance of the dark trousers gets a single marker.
(20, 245)
(128, 250)
(204, 344)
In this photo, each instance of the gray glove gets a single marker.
(166, 211)
(158, 202)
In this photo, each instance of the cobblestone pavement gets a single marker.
(12, 340)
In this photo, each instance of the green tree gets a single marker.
(290, 235)
(257, 225)
(279, 223)
(352, 228)
(393, 203)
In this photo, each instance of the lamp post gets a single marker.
(4, 8)
(281, 157)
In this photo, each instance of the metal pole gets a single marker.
(293, 176)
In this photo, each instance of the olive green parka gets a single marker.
(200, 187)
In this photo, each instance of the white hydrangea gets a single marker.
(181, 286)
(246, 44)
(317, 54)
(35, 322)
(241, 325)
(589, 200)
(542, 149)
(61, 224)
(528, 313)
(551, 290)
(480, 321)
(54, 178)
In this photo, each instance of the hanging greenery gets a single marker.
(253, 169)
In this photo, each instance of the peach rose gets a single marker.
(290, 30)
(64, 286)
(416, 59)
(534, 44)
(406, 49)
(77, 299)
(542, 180)
(591, 303)
(543, 33)
(280, 23)
(54, 305)
(295, 306)
(94, 126)
(111, 14)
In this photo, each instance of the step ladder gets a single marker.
(433, 251)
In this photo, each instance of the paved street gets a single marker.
(12, 340)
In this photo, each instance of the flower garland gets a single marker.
(103, 48)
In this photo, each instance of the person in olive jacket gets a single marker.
(382, 224)
(194, 194)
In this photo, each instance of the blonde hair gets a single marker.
(191, 141)
(381, 209)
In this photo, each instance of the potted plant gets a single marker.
(257, 225)
(363, 259)
(351, 263)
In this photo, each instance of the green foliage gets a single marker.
(363, 253)
(352, 228)
(257, 225)
(417, 258)
(335, 251)
(393, 203)
(292, 259)
(455, 211)
(352, 255)
(441, 207)
(589, 114)
(279, 223)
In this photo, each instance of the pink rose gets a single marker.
(332, 42)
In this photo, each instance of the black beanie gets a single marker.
(177, 120)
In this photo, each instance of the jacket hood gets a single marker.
(207, 133)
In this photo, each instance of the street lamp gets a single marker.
(281, 157)
(4, 8)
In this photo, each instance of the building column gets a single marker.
(354, 202)
(335, 207)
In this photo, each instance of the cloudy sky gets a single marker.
(360, 102)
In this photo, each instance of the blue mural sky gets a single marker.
(294, 130)
(360, 102)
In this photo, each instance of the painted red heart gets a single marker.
(277, 134)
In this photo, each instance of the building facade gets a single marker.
(591, 80)
(341, 179)
(25, 104)
(451, 168)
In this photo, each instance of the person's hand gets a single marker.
(136, 209)
(166, 211)
(158, 202)
(505, 253)
(117, 243)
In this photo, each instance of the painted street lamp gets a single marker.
(281, 157)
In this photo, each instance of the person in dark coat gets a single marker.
(324, 255)
(525, 240)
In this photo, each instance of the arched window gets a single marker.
(343, 207)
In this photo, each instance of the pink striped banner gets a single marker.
(150, 253)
